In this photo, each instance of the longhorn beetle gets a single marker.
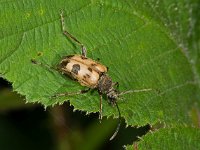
(91, 74)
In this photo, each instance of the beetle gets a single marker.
(91, 74)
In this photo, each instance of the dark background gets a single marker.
(30, 126)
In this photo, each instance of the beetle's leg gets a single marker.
(115, 84)
(100, 107)
(71, 93)
(67, 34)
(134, 91)
(44, 65)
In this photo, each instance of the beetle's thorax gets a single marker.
(104, 83)
(105, 86)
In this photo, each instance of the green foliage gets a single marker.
(145, 44)
(174, 139)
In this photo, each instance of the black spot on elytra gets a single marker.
(75, 68)
(93, 65)
(90, 69)
(64, 63)
(87, 75)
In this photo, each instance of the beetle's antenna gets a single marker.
(119, 123)
(134, 91)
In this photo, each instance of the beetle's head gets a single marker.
(113, 95)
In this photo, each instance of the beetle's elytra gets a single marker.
(91, 74)
(85, 70)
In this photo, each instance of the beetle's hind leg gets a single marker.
(71, 93)
(67, 34)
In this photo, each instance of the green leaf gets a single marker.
(174, 139)
(145, 44)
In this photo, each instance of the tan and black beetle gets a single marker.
(91, 74)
